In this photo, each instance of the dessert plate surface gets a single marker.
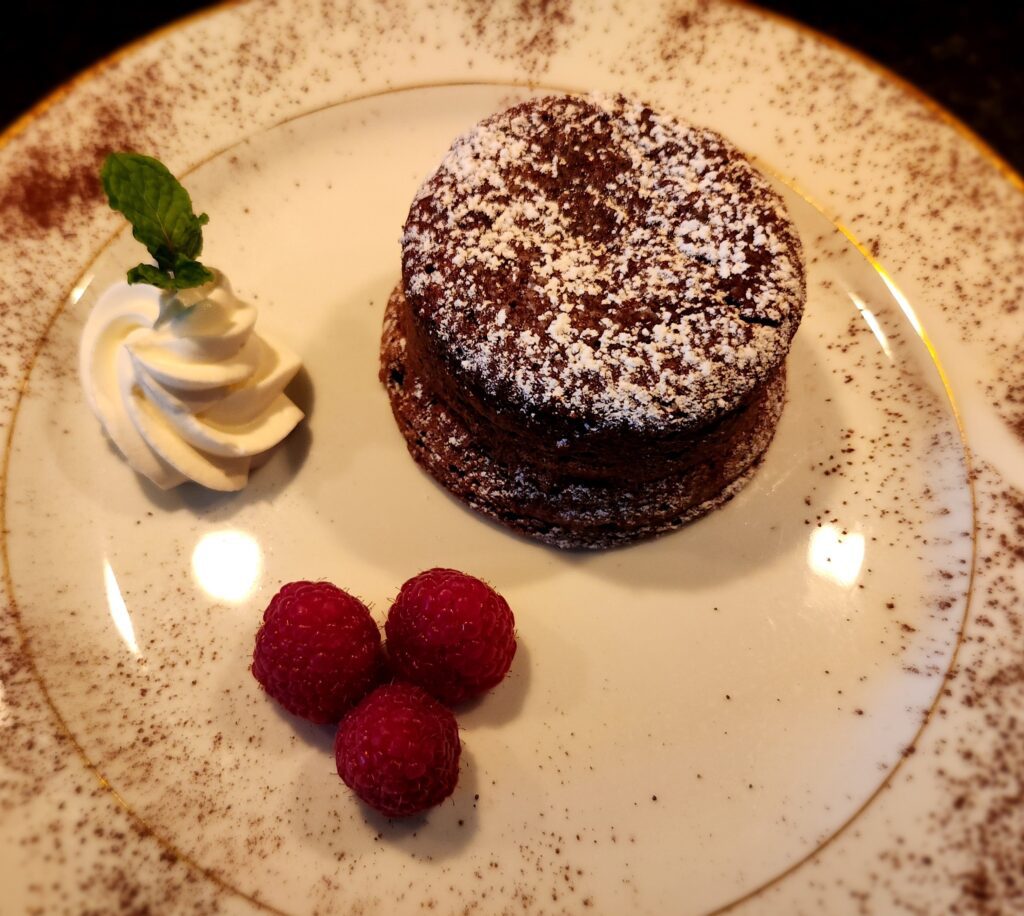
(768, 709)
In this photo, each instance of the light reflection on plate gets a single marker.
(227, 565)
(836, 554)
(119, 610)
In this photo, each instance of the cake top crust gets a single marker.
(591, 260)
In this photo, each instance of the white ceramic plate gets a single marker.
(767, 709)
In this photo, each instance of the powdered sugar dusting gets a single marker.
(591, 258)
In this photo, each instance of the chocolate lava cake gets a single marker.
(588, 342)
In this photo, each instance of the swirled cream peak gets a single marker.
(199, 397)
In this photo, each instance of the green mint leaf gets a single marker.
(191, 273)
(160, 211)
(155, 203)
(154, 276)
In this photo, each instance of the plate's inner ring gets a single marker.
(702, 711)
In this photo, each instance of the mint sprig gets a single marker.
(160, 211)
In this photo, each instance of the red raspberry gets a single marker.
(450, 633)
(399, 750)
(318, 651)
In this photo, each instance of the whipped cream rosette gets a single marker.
(198, 396)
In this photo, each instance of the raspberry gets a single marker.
(318, 651)
(450, 633)
(399, 750)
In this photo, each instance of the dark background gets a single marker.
(967, 56)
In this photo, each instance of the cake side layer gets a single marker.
(562, 511)
(573, 451)
(589, 264)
